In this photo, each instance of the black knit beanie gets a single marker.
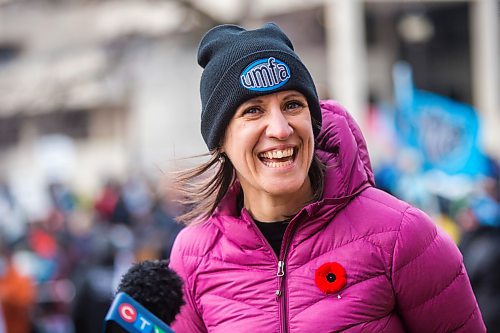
(241, 64)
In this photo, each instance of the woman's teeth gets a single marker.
(277, 153)
(277, 164)
(277, 158)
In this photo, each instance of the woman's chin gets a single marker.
(284, 187)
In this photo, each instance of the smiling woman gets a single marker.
(270, 143)
(288, 232)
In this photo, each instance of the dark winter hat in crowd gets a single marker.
(241, 64)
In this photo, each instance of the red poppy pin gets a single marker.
(330, 277)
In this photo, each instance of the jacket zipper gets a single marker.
(280, 272)
(281, 294)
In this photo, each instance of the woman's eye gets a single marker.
(293, 105)
(251, 111)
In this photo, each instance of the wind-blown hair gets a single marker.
(202, 188)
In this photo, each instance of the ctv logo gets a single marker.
(142, 325)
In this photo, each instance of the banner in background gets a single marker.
(444, 131)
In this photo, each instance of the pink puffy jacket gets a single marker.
(403, 273)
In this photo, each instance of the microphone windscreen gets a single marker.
(156, 287)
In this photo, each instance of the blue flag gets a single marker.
(445, 131)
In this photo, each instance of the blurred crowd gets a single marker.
(58, 274)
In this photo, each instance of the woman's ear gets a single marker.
(220, 148)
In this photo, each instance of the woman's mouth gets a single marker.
(278, 158)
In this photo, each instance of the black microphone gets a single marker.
(148, 298)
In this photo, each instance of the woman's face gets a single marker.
(270, 142)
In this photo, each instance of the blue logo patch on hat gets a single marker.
(265, 74)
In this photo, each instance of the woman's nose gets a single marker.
(278, 126)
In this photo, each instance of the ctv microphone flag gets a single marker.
(132, 317)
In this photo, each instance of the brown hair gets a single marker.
(202, 188)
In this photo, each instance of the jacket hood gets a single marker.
(341, 147)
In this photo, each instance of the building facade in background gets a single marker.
(96, 89)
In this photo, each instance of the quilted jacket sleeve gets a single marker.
(432, 288)
(188, 320)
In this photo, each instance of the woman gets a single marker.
(290, 234)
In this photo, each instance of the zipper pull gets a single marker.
(280, 273)
(281, 268)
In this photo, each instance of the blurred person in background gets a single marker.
(17, 294)
(137, 196)
(111, 205)
(51, 315)
(163, 213)
(286, 231)
(107, 200)
(94, 285)
(12, 217)
(480, 246)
